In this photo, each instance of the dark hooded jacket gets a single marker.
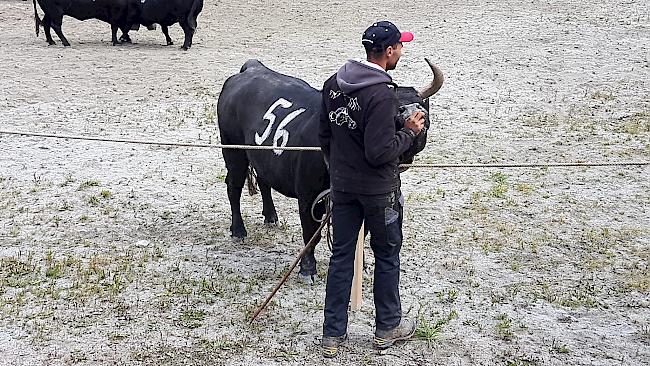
(360, 131)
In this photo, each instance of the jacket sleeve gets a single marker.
(383, 143)
(324, 131)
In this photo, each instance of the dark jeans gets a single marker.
(383, 218)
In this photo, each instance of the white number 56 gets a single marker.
(280, 132)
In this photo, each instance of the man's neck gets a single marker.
(378, 64)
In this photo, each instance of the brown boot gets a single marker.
(386, 338)
(330, 345)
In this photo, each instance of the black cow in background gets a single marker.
(114, 12)
(121, 14)
(259, 106)
(165, 13)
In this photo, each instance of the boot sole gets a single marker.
(383, 344)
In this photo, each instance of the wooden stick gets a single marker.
(356, 297)
(302, 253)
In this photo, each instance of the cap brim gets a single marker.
(406, 37)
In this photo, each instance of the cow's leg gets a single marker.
(268, 208)
(165, 31)
(237, 165)
(189, 32)
(114, 29)
(125, 34)
(309, 227)
(47, 27)
(56, 22)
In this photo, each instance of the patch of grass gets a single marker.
(429, 331)
(287, 354)
(449, 296)
(65, 206)
(54, 271)
(221, 344)
(500, 186)
(192, 318)
(604, 96)
(504, 327)
(14, 231)
(209, 114)
(106, 194)
(87, 184)
(67, 180)
(93, 201)
(116, 337)
(635, 124)
(599, 240)
(520, 362)
(491, 246)
(16, 267)
(524, 188)
(640, 283)
(540, 121)
(420, 197)
(560, 348)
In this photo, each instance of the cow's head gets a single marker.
(410, 99)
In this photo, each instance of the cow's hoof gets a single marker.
(307, 279)
(238, 231)
(170, 43)
(237, 240)
(51, 43)
(184, 48)
(271, 221)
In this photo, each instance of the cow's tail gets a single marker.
(197, 5)
(37, 20)
(252, 181)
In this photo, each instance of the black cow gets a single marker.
(114, 12)
(166, 13)
(259, 106)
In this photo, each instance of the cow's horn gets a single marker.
(435, 85)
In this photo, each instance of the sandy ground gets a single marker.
(120, 254)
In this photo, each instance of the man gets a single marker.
(362, 141)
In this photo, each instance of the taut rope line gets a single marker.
(314, 148)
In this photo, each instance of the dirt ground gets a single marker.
(115, 254)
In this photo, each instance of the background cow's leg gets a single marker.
(56, 22)
(47, 26)
(268, 208)
(165, 31)
(114, 29)
(309, 227)
(237, 165)
(189, 32)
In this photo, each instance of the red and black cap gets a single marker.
(383, 34)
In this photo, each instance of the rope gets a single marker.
(525, 165)
(314, 148)
(163, 143)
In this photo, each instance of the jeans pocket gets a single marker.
(390, 215)
(393, 224)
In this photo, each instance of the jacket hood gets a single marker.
(354, 75)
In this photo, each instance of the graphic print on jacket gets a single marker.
(341, 116)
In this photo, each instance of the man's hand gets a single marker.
(415, 122)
